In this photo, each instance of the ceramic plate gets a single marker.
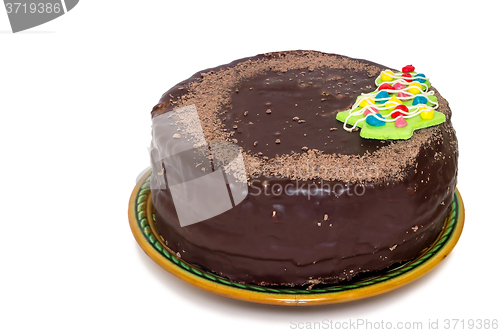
(141, 218)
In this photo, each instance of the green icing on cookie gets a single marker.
(389, 130)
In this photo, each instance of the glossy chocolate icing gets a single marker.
(312, 237)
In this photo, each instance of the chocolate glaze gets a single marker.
(316, 103)
(312, 237)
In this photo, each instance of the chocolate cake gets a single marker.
(324, 204)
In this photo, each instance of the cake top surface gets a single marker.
(281, 109)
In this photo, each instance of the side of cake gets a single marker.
(323, 204)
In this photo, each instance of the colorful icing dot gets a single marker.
(366, 101)
(401, 107)
(386, 75)
(382, 97)
(415, 88)
(421, 77)
(370, 110)
(408, 68)
(393, 102)
(395, 99)
(427, 114)
(406, 75)
(419, 100)
(375, 120)
(398, 86)
(385, 86)
(401, 122)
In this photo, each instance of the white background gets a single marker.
(75, 97)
